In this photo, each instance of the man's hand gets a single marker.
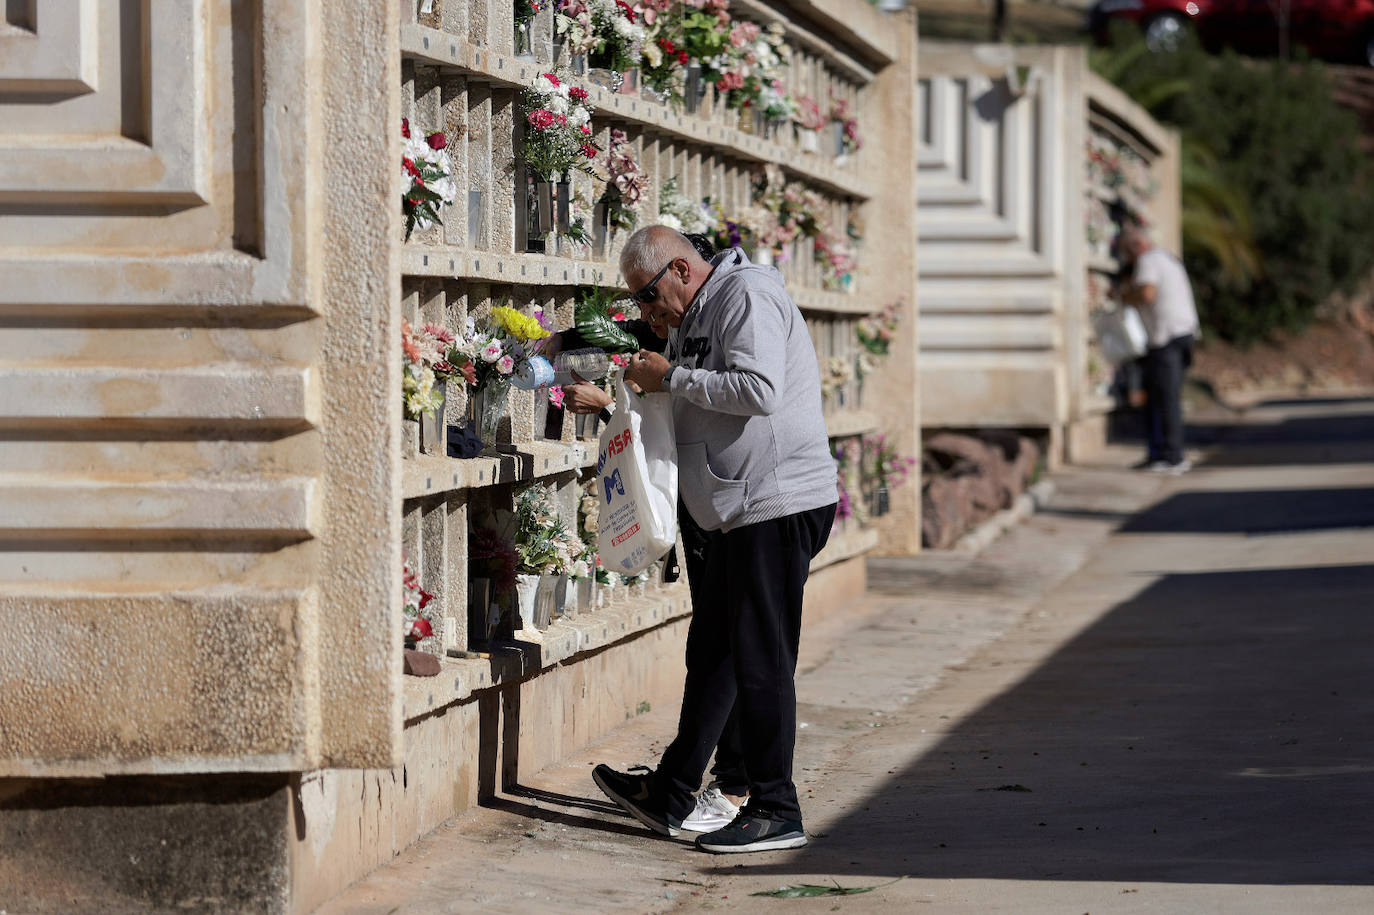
(646, 370)
(585, 398)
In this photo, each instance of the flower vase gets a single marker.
(763, 257)
(629, 81)
(486, 406)
(882, 502)
(541, 413)
(586, 592)
(481, 620)
(695, 89)
(585, 424)
(432, 425)
(564, 598)
(527, 599)
(545, 600)
(837, 130)
(564, 206)
(524, 42)
(543, 201)
(605, 77)
(745, 121)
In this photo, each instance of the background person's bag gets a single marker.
(1121, 335)
(636, 472)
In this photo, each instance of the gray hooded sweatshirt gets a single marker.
(751, 439)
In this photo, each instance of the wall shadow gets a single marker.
(1217, 728)
(1256, 511)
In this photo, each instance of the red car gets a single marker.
(1335, 30)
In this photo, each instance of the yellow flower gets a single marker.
(521, 327)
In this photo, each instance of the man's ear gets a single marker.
(683, 269)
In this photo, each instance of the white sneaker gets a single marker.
(1179, 469)
(713, 811)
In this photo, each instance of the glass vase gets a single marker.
(432, 425)
(486, 406)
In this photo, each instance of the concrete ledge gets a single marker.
(563, 641)
(1025, 506)
(845, 545)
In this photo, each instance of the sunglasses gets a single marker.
(649, 293)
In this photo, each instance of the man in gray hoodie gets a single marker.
(757, 481)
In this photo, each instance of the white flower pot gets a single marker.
(546, 601)
(526, 597)
(810, 140)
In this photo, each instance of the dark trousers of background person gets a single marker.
(742, 659)
(1164, 369)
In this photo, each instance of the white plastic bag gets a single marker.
(1121, 335)
(637, 479)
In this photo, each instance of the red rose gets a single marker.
(405, 128)
(541, 118)
(436, 140)
(589, 151)
(553, 79)
(666, 45)
(682, 57)
(577, 94)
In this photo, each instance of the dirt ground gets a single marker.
(1332, 356)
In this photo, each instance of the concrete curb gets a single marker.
(1025, 506)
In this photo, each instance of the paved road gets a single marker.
(1157, 695)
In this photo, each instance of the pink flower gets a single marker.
(556, 396)
(491, 352)
(586, 129)
(743, 33)
(618, 136)
(553, 79)
(577, 94)
(589, 151)
(505, 365)
(730, 81)
(541, 118)
(438, 332)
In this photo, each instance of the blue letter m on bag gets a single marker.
(613, 483)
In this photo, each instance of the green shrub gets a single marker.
(1272, 137)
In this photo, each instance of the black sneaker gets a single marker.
(637, 793)
(753, 831)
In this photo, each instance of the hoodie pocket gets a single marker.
(712, 500)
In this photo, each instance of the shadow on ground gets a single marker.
(1217, 728)
(1262, 511)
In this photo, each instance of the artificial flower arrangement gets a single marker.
(881, 466)
(663, 59)
(703, 34)
(849, 125)
(678, 212)
(808, 114)
(543, 544)
(558, 128)
(608, 30)
(588, 522)
(754, 75)
(837, 260)
(425, 363)
(414, 624)
(500, 350)
(429, 178)
(624, 182)
(835, 374)
(876, 331)
(795, 209)
(525, 11)
(847, 481)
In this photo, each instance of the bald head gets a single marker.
(666, 269)
(652, 247)
(1135, 240)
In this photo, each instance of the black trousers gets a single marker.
(1164, 369)
(747, 588)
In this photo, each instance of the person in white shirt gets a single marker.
(1164, 297)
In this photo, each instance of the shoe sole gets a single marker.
(629, 807)
(775, 844)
